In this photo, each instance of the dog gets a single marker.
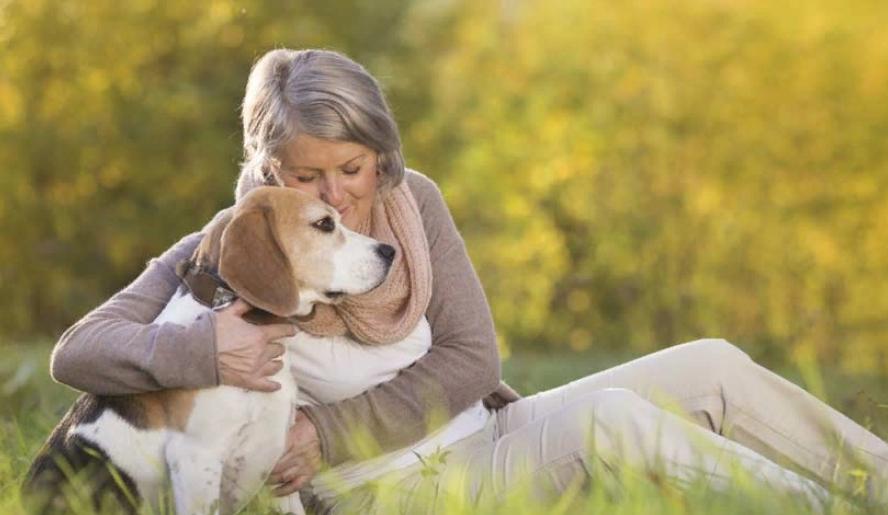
(281, 251)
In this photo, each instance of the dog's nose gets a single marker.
(386, 252)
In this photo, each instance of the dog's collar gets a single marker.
(208, 288)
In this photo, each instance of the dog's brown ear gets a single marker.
(254, 264)
(206, 255)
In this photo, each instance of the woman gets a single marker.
(316, 121)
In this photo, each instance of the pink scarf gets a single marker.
(389, 312)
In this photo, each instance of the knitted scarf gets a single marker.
(389, 312)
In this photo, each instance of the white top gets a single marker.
(335, 368)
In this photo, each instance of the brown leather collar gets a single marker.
(208, 288)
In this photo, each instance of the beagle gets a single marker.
(280, 250)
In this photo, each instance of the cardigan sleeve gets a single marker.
(116, 348)
(461, 366)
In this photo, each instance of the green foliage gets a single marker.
(625, 174)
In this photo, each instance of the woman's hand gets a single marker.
(301, 459)
(245, 353)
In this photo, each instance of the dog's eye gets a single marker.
(325, 224)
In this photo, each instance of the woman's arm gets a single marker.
(115, 349)
(461, 367)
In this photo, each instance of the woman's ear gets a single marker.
(253, 262)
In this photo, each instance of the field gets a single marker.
(32, 403)
(624, 174)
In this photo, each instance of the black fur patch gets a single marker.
(64, 455)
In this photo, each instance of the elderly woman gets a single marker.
(318, 122)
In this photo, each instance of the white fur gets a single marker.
(232, 440)
(356, 265)
(135, 451)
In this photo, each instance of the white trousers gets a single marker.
(697, 411)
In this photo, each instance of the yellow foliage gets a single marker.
(635, 173)
(709, 168)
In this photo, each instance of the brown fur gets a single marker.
(207, 253)
(257, 267)
(166, 408)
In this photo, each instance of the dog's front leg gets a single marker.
(196, 474)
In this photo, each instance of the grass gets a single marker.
(31, 404)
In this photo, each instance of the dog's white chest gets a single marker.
(246, 430)
(181, 309)
(241, 431)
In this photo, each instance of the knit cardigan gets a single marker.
(116, 349)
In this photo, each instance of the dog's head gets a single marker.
(282, 250)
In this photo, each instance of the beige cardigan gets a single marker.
(116, 349)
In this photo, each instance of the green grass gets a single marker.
(31, 404)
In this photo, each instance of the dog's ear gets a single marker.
(206, 255)
(254, 264)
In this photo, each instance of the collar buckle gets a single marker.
(207, 287)
(222, 297)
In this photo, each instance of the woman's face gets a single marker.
(341, 173)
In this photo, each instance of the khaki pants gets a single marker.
(735, 414)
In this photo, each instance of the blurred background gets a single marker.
(627, 175)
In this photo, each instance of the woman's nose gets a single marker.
(332, 192)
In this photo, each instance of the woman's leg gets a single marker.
(722, 389)
(591, 439)
(617, 428)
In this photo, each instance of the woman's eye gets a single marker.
(325, 224)
(304, 178)
(352, 171)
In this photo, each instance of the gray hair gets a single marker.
(320, 93)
